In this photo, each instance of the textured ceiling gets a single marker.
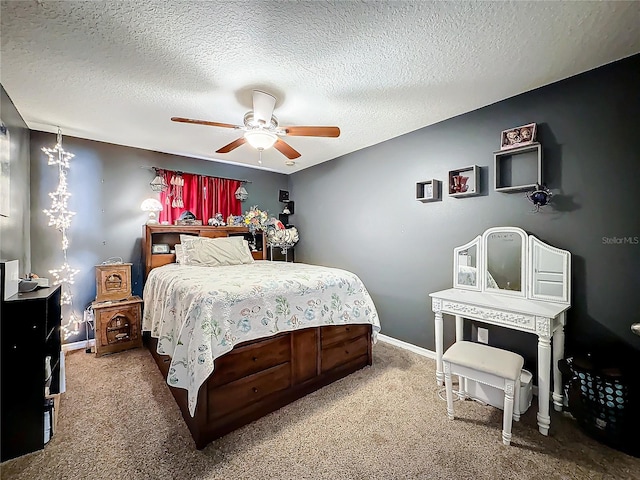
(117, 71)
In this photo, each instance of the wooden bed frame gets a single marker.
(260, 376)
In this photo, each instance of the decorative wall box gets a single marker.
(291, 206)
(428, 190)
(113, 281)
(518, 169)
(284, 219)
(464, 182)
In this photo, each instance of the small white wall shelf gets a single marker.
(472, 182)
(518, 169)
(428, 191)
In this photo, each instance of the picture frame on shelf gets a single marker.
(428, 190)
(518, 136)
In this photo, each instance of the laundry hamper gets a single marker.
(604, 401)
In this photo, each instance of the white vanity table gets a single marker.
(508, 278)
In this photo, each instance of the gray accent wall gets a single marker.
(108, 183)
(14, 229)
(360, 212)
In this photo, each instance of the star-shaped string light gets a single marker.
(60, 217)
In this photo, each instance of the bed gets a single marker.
(236, 342)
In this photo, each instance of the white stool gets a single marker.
(491, 366)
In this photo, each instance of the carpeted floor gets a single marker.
(119, 421)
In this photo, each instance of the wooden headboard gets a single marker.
(170, 235)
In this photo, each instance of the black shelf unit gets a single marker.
(30, 331)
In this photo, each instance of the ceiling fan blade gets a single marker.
(232, 146)
(204, 122)
(286, 149)
(312, 131)
(263, 105)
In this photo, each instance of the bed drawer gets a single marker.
(251, 358)
(241, 393)
(340, 353)
(331, 335)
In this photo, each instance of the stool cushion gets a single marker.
(495, 361)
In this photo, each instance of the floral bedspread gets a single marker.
(200, 313)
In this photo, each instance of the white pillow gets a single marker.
(179, 253)
(186, 239)
(215, 252)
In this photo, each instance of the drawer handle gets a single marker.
(166, 360)
(347, 329)
(255, 390)
(255, 359)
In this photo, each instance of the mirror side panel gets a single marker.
(549, 272)
(466, 265)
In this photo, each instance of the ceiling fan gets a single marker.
(262, 131)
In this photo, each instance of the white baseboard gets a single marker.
(68, 347)
(407, 346)
(421, 351)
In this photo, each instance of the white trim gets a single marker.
(407, 346)
(415, 349)
(67, 347)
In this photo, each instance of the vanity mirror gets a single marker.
(507, 261)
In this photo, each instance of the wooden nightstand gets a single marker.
(117, 325)
(113, 281)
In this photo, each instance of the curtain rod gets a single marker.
(191, 173)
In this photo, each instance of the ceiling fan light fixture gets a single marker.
(260, 139)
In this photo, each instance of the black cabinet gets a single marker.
(30, 332)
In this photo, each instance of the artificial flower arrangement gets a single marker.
(256, 219)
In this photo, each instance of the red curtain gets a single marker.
(225, 197)
(201, 195)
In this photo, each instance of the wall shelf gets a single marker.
(470, 185)
(428, 191)
(518, 169)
